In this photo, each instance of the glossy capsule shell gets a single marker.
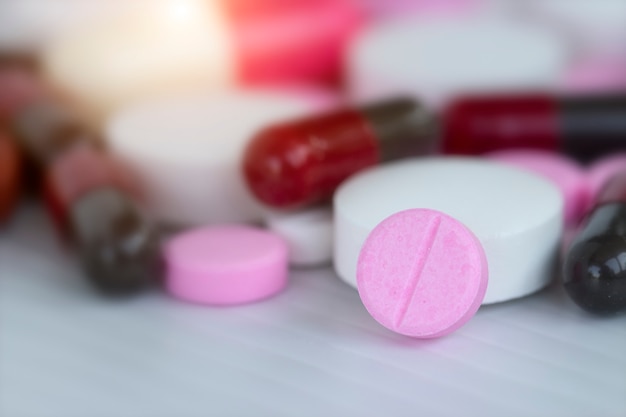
(594, 271)
(584, 127)
(302, 162)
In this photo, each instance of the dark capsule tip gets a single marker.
(120, 249)
(594, 274)
(124, 265)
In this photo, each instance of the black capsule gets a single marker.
(594, 271)
(119, 247)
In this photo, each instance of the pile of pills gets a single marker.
(444, 176)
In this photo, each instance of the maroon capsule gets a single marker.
(302, 162)
(583, 127)
(10, 170)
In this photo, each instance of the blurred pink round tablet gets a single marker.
(563, 172)
(422, 273)
(596, 76)
(601, 171)
(226, 265)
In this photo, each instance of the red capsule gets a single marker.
(476, 125)
(10, 173)
(583, 127)
(302, 162)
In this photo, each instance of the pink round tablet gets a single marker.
(601, 171)
(567, 175)
(224, 265)
(422, 273)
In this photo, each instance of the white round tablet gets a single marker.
(308, 233)
(596, 27)
(186, 150)
(516, 216)
(437, 59)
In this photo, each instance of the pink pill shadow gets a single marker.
(422, 273)
(225, 265)
(567, 175)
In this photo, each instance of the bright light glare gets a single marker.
(182, 11)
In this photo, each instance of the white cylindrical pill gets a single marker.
(308, 233)
(596, 27)
(437, 59)
(516, 216)
(186, 150)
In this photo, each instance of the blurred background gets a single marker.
(175, 91)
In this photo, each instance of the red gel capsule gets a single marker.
(302, 162)
(10, 170)
(583, 127)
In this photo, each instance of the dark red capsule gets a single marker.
(302, 162)
(583, 127)
(10, 173)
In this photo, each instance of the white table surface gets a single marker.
(311, 351)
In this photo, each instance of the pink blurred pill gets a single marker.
(601, 171)
(561, 171)
(596, 76)
(226, 265)
(421, 273)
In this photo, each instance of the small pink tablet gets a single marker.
(422, 273)
(602, 171)
(568, 176)
(224, 265)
